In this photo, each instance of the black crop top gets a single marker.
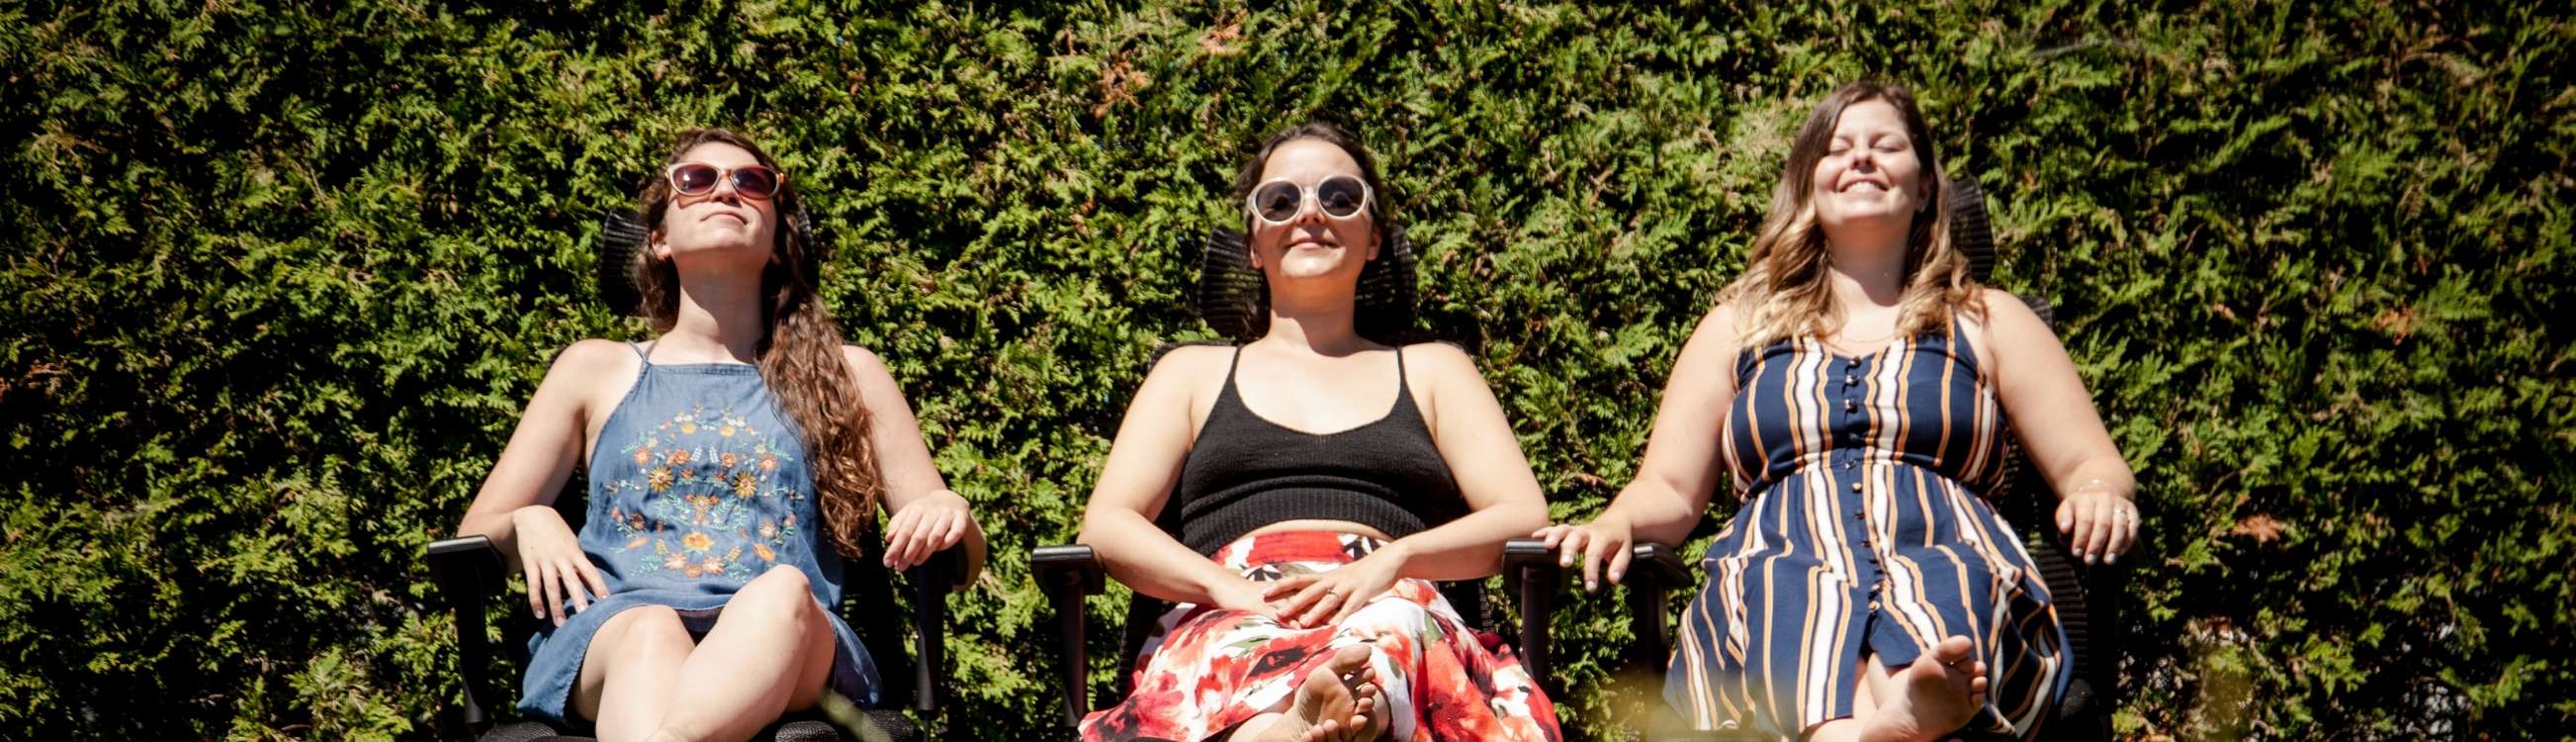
(1245, 472)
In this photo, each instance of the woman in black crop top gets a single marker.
(1319, 480)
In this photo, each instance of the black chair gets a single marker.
(471, 575)
(470, 572)
(2087, 598)
(1070, 574)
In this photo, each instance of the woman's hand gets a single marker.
(1607, 538)
(1325, 598)
(556, 567)
(2099, 525)
(1245, 595)
(927, 526)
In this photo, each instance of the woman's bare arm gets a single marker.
(1503, 498)
(514, 508)
(938, 517)
(547, 443)
(2060, 430)
(1681, 470)
(1136, 482)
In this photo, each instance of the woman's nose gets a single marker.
(1308, 212)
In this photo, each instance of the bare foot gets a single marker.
(1333, 703)
(1937, 694)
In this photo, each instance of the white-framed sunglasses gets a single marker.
(698, 179)
(1280, 201)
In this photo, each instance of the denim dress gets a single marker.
(697, 485)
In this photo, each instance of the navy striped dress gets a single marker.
(1864, 531)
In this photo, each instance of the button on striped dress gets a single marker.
(1864, 531)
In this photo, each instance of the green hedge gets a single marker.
(277, 279)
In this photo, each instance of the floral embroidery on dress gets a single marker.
(700, 510)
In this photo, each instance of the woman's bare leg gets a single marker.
(629, 671)
(768, 653)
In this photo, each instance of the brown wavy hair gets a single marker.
(1784, 292)
(800, 351)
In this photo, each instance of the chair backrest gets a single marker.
(2026, 499)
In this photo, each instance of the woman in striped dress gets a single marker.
(1856, 384)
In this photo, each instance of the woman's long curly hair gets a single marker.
(799, 354)
(1784, 292)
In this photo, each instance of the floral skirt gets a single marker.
(1205, 670)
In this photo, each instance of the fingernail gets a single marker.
(1615, 575)
(1590, 585)
(2113, 558)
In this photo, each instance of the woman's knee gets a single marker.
(783, 594)
(641, 633)
(651, 624)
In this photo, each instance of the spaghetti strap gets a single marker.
(1401, 388)
(642, 353)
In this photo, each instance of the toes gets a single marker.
(1349, 659)
(1953, 649)
(1358, 679)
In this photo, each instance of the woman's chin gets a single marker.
(1308, 267)
(720, 251)
(1864, 216)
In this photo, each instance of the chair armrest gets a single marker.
(1532, 576)
(2106, 587)
(469, 572)
(931, 581)
(1654, 571)
(1070, 575)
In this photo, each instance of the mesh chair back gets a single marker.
(2026, 499)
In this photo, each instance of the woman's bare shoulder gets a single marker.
(590, 364)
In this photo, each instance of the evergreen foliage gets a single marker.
(281, 277)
